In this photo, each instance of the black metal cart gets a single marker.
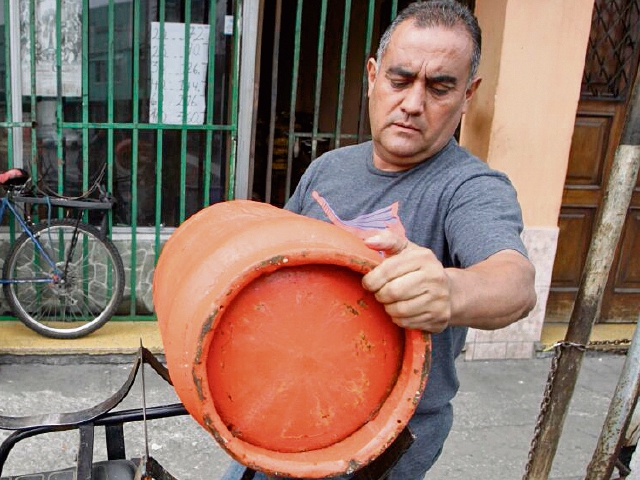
(117, 466)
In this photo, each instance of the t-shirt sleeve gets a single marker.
(295, 202)
(302, 193)
(483, 218)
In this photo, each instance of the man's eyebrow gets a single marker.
(442, 79)
(405, 73)
(401, 72)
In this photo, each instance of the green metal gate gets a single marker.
(313, 87)
(140, 96)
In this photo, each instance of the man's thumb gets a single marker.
(387, 243)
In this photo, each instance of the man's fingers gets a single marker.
(422, 322)
(403, 287)
(408, 258)
(387, 242)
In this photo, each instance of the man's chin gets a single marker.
(403, 146)
(406, 156)
(407, 152)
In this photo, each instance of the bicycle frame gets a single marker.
(6, 203)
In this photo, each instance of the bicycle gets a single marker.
(62, 277)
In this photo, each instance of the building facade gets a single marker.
(237, 105)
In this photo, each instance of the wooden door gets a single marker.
(610, 66)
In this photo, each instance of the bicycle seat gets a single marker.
(14, 177)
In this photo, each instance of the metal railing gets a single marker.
(313, 86)
(138, 95)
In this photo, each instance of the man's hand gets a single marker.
(411, 283)
(418, 292)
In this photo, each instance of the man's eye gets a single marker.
(440, 90)
(398, 83)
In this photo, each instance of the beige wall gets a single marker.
(521, 122)
(522, 119)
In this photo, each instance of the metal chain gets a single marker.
(619, 346)
(546, 401)
(616, 346)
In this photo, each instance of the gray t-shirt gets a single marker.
(453, 204)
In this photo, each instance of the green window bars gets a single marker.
(138, 95)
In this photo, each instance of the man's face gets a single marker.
(418, 93)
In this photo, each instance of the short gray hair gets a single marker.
(438, 13)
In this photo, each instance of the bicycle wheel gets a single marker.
(82, 298)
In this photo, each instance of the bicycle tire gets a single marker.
(78, 303)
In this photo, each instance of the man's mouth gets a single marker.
(406, 126)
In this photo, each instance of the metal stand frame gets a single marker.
(147, 468)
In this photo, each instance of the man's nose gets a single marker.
(414, 100)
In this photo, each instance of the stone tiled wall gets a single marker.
(145, 257)
(4, 250)
(518, 340)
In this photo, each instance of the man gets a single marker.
(453, 254)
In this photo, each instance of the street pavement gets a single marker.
(495, 415)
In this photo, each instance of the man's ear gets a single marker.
(372, 70)
(471, 89)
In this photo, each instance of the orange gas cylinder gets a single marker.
(276, 349)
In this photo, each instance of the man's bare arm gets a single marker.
(493, 293)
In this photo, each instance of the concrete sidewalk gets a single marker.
(496, 411)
